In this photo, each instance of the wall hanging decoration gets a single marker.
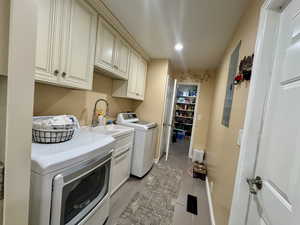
(245, 70)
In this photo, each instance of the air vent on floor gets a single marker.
(191, 205)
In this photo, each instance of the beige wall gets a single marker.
(52, 100)
(222, 148)
(4, 33)
(152, 108)
(204, 104)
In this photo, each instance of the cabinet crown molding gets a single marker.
(108, 16)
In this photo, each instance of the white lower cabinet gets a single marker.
(134, 87)
(121, 162)
(66, 39)
(121, 168)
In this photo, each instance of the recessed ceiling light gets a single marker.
(178, 47)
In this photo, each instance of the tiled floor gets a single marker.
(179, 159)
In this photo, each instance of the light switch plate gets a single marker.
(240, 137)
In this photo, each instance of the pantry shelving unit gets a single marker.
(184, 113)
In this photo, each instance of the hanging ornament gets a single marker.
(245, 70)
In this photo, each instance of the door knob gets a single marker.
(255, 184)
(64, 74)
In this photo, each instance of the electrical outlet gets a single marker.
(211, 186)
(199, 117)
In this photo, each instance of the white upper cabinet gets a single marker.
(134, 87)
(79, 45)
(133, 75)
(72, 39)
(66, 38)
(122, 55)
(112, 52)
(48, 41)
(141, 79)
(105, 51)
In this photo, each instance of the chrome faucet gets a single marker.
(94, 118)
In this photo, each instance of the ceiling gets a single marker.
(204, 27)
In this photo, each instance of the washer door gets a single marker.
(76, 193)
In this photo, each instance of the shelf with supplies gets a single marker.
(185, 103)
(179, 129)
(184, 113)
(188, 124)
(182, 96)
(185, 110)
(185, 117)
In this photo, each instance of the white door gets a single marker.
(168, 116)
(48, 41)
(79, 45)
(278, 161)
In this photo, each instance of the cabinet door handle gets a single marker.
(64, 74)
(56, 72)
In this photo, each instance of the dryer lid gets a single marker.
(46, 158)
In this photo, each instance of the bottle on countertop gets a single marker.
(101, 119)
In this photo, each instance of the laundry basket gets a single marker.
(52, 136)
(58, 134)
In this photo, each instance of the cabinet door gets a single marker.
(48, 40)
(106, 41)
(133, 72)
(121, 169)
(141, 78)
(79, 44)
(122, 54)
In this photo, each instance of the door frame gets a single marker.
(171, 115)
(258, 99)
(160, 133)
(190, 154)
(19, 111)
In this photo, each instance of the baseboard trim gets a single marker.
(210, 205)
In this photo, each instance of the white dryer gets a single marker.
(144, 143)
(70, 181)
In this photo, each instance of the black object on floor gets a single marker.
(192, 204)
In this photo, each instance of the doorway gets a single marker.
(184, 117)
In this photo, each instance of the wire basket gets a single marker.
(52, 136)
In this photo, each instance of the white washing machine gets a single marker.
(144, 143)
(70, 181)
